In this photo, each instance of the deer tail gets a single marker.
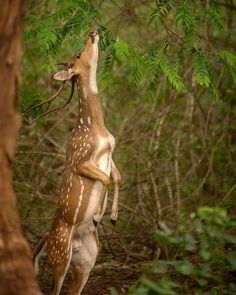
(38, 251)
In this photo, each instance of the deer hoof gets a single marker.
(95, 223)
(113, 221)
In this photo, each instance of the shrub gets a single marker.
(202, 257)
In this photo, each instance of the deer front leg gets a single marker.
(117, 179)
(89, 169)
(98, 214)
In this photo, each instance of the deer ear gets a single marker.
(63, 75)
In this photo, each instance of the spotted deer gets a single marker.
(73, 239)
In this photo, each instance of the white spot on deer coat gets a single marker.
(89, 120)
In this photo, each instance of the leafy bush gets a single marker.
(202, 259)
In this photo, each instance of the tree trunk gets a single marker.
(16, 270)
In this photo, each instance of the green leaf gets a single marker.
(162, 267)
(114, 292)
(206, 255)
(202, 282)
(141, 290)
(201, 68)
(190, 242)
(106, 38)
(171, 72)
(205, 270)
(107, 69)
(122, 51)
(184, 15)
(163, 8)
(184, 267)
(215, 17)
(139, 72)
(214, 215)
(46, 38)
(162, 288)
(228, 57)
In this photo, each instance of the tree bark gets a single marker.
(16, 270)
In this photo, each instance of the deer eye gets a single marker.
(78, 54)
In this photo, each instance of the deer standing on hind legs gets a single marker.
(73, 238)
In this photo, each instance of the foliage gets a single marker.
(66, 18)
(202, 259)
(69, 21)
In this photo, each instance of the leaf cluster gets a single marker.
(202, 260)
(186, 26)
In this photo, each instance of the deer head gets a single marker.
(81, 70)
(85, 64)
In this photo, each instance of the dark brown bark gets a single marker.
(16, 270)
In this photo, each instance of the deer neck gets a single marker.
(90, 110)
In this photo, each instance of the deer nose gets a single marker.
(93, 33)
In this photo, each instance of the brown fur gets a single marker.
(89, 143)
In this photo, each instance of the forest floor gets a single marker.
(103, 278)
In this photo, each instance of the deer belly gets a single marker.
(104, 163)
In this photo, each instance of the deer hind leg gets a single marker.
(59, 273)
(59, 250)
(116, 178)
(83, 262)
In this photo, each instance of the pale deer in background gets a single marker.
(73, 238)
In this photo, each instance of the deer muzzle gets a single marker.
(94, 36)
